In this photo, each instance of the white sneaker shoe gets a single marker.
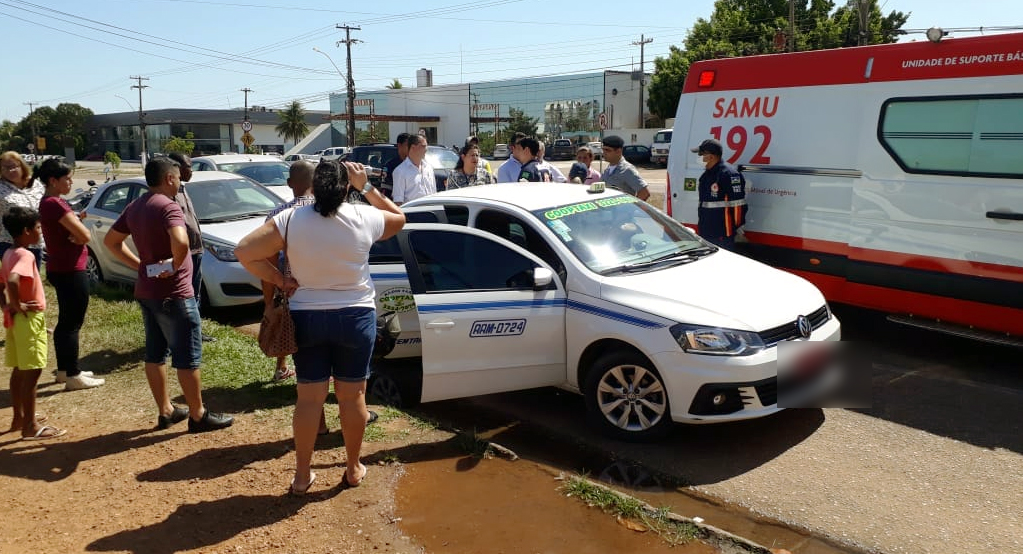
(62, 375)
(83, 381)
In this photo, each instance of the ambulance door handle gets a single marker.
(1005, 215)
(441, 324)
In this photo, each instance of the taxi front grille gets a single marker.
(790, 330)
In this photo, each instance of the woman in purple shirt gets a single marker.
(65, 237)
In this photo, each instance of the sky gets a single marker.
(202, 53)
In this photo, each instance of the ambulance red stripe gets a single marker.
(986, 56)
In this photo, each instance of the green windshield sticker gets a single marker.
(570, 210)
(615, 201)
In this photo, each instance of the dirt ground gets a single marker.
(114, 484)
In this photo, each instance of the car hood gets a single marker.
(231, 232)
(743, 294)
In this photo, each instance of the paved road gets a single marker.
(935, 466)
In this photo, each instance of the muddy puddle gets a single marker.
(448, 504)
(463, 505)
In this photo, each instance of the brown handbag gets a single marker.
(277, 329)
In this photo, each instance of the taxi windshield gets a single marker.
(613, 234)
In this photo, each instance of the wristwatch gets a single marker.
(367, 189)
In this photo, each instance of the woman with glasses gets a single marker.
(18, 188)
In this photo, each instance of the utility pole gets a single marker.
(864, 13)
(792, 25)
(32, 122)
(247, 90)
(142, 120)
(351, 82)
(642, 76)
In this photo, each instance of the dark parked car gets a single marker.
(636, 154)
(561, 149)
(376, 156)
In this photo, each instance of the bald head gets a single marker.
(300, 177)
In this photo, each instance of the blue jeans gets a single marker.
(197, 277)
(172, 325)
(334, 343)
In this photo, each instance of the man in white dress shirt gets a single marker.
(414, 177)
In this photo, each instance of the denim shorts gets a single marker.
(172, 326)
(334, 343)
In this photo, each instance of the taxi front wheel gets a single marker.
(626, 398)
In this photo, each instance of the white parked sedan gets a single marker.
(228, 207)
(521, 285)
(269, 171)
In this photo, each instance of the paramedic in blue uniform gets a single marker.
(722, 189)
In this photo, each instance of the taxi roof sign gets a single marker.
(596, 187)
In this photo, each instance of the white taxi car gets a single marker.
(514, 286)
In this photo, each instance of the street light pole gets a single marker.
(351, 107)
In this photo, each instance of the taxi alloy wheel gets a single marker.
(626, 398)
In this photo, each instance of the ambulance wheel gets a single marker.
(626, 398)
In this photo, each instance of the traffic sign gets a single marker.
(247, 140)
(246, 126)
(31, 147)
(602, 120)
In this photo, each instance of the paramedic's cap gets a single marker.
(578, 170)
(614, 141)
(471, 138)
(709, 146)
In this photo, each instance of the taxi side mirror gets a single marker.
(542, 278)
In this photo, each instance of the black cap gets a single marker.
(578, 170)
(614, 141)
(709, 146)
(471, 138)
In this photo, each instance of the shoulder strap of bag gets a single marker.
(287, 225)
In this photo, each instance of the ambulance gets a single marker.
(890, 176)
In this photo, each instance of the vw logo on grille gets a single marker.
(804, 326)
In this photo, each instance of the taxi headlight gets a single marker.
(221, 250)
(716, 341)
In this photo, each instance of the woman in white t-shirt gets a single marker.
(332, 302)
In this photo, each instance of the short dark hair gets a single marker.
(472, 139)
(517, 138)
(414, 140)
(530, 143)
(402, 139)
(157, 169)
(182, 160)
(613, 141)
(19, 218)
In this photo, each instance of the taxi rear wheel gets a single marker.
(394, 384)
(626, 398)
(92, 270)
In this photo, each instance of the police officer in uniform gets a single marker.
(722, 190)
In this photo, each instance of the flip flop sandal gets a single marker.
(295, 491)
(42, 433)
(348, 485)
(288, 373)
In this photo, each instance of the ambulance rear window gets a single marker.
(976, 136)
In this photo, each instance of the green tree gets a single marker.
(520, 122)
(372, 134)
(749, 27)
(183, 145)
(113, 159)
(395, 85)
(9, 138)
(292, 123)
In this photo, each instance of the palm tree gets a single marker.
(396, 84)
(292, 123)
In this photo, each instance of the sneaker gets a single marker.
(83, 381)
(61, 376)
(208, 338)
(177, 416)
(209, 422)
